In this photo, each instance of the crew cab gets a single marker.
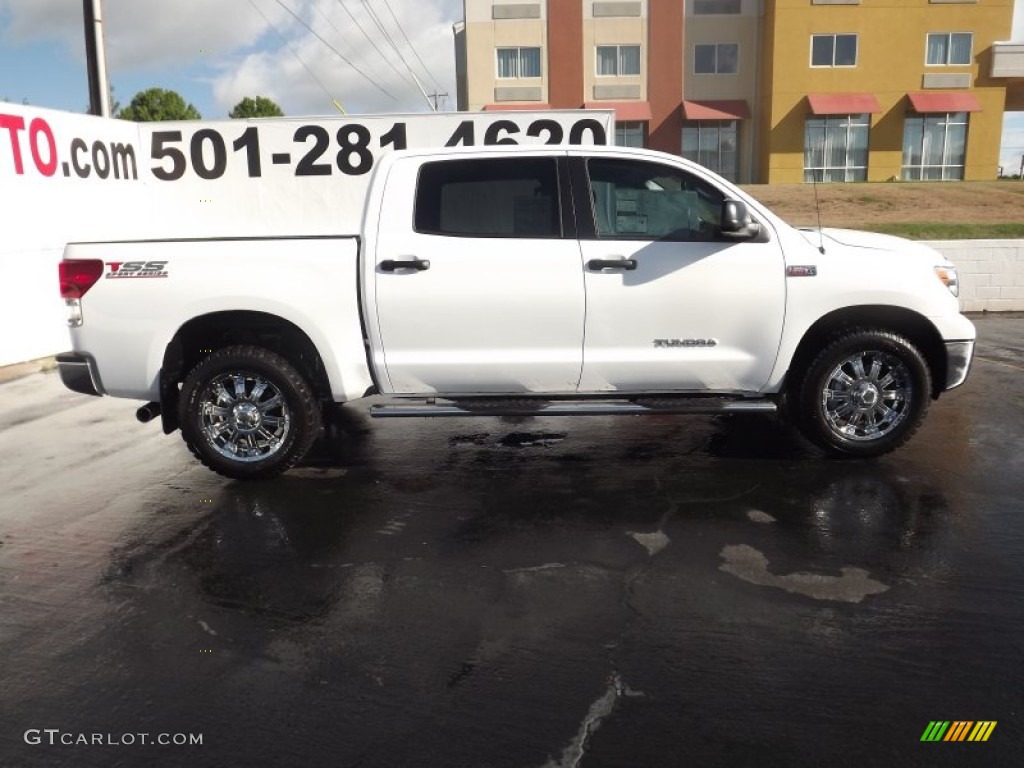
(520, 280)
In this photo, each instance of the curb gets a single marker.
(20, 370)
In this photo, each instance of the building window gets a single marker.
(836, 148)
(713, 144)
(630, 134)
(713, 7)
(618, 60)
(934, 146)
(716, 59)
(833, 50)
(950, 49)
(518, 62)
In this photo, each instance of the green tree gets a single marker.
(157, 104)
(261, 106)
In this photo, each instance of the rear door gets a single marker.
(477, 283)
(672, 304)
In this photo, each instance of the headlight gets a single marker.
(948, 276)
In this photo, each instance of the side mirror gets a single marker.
(736, 221)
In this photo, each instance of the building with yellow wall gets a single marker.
(875, 90)
(763, 90)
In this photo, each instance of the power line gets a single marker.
(374, 44)
(343, 36)
(338, 53)
(411, 46)
(391, 41)
(437, 98)
(294, 53)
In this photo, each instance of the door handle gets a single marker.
(596, 265)
(390, 265)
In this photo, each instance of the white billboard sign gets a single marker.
(66, 177)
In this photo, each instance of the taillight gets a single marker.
(78, 275)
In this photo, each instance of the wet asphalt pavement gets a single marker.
(597, 591)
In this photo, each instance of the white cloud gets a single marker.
(233, 40)
(368, 83)
(139, 33)
(154, 34)
(32, 20)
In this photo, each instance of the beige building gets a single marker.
(763, 90)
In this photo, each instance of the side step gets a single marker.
(482, 407)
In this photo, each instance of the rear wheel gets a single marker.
(247, 413)
(865, 393)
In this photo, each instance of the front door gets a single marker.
(672, 304)
(478, 287)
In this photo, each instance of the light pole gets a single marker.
(96, 59)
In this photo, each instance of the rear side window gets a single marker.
(502, 197)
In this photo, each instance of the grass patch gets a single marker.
(942, 230)
(869, 199)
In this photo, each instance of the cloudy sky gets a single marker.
(214, 52)
(248, 47)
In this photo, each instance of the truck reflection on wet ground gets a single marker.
(480, 570)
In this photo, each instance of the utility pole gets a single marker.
(1021, 176)
(435, 97)
(96, 59)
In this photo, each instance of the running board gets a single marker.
(525, 408)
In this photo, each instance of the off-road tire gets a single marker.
(864, 394)
(268, 438)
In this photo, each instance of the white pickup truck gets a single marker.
(525, 280)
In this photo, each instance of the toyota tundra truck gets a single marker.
(520, 281)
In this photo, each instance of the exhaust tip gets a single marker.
(148, 412)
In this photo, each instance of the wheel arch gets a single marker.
(914, 326)
(202, 335)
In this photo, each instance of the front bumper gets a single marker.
(79, 374)
(959, 356)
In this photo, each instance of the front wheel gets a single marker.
(246, 413)
(865, 393)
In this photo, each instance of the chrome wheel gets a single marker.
(867, 395)
(244, 416)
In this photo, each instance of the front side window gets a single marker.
(618, 60)
(950, 49)
(629, 134)
(712, 7)
(518, 62)
(505, 197)
(648, 201)
(934, 146)
(836, 148)
(833, 50)
(716, 59)
(712, 143)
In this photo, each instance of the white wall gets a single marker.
(991, 273)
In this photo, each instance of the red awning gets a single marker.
(944, 101)
(843, 103)
(625, 111)
(735, 109)
(514, 107)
